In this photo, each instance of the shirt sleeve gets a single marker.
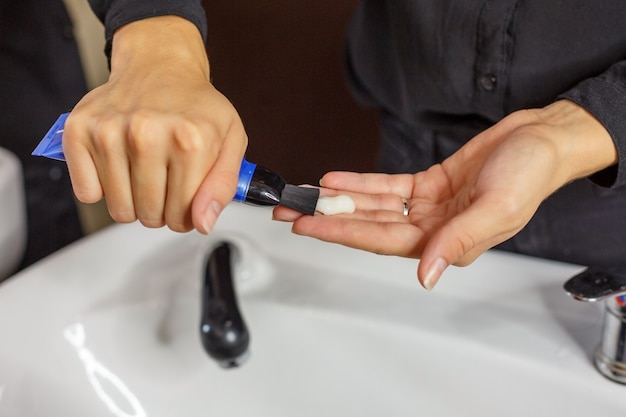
(116, 13)
(604, 96)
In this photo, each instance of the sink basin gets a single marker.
(12, 213)
(109, 327)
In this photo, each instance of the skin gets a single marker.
(162, 146)
(477, 198)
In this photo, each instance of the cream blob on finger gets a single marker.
(341, 204)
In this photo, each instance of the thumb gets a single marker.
(464, 238)
(216, 191)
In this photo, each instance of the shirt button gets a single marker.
(488, 82)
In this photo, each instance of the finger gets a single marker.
(378, 216)
(149, 173)
(182, 185)
(382, 216)
(372, 202)
(114, 173)
(363, 202)
(388, 238)
(285, 214)
(191, 160)
(80, 163)
(465, 237)
(398, 184)
(149, 184)
(218, 187)
(111, 160)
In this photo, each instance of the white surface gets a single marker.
(109, 327)
(12, 214)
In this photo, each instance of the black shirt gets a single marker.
(40, 77)
(483, 59)
(441, 71)
(471, 61)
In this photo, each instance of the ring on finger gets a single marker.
(405, 207)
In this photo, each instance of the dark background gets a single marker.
(280, 63)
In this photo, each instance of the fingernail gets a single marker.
(434, 273)
(210, 216)
(276, 219)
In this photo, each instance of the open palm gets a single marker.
(479, 197)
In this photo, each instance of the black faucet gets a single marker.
(223, 331)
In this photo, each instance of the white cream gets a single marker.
(335, 205)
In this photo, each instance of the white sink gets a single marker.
(109, 327)
(12, 213)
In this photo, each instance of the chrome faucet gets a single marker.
(608, 285)
(223, 331)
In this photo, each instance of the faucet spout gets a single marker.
(609, 285)
(223, 331)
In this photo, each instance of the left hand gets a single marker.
(157, 140)
(480, 196)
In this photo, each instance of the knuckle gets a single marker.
(520, 118)
(188, 137)
(87, 195)
(142, 133)
(180, 226)
(72, 129)
(466, 244)
(178, 221)
(122, 215)
(104, 136)
(529, 131)
(152, 223)
(85, 190)
(508, 209)
(463, 243)
(465, 261)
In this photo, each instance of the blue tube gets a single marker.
(51, 146)
(245, 177)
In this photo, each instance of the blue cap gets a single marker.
(245, 177)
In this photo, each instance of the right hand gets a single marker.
(157, 140)
(480, 196)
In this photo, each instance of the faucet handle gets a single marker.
(597, 284)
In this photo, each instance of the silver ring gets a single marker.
(405, 207)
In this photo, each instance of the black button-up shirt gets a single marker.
(480, 59)
(444, 69)
(483, 59)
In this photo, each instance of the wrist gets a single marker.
(158, 41)
(583, 146)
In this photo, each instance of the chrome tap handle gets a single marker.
(609, 284)
(597, 284)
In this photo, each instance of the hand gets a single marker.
(158, 141)
(479, 197)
